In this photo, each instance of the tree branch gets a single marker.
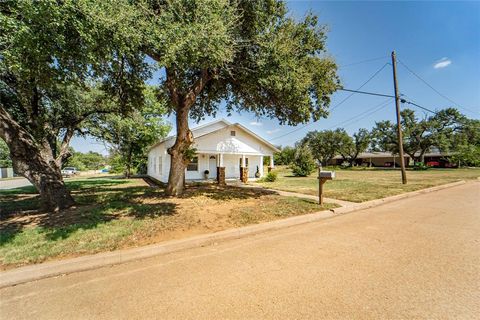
(172, 86)
(64, 151)
(10, 130)
(197, 87)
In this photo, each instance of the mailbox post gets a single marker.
(323, 176)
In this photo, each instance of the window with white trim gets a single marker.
(193, 164)
(154, 165)
(160, 164)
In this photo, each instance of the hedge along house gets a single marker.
(223, 151)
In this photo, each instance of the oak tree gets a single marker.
(130, 135)
(250, 56)
(58, 64)
(326, 144)
(419, 135)
(355, 145)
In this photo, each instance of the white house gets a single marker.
(222, 148)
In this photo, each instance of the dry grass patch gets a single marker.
(117, 213)
(360, 185)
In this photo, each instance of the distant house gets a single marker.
(6, 173)
(388, 159)
(225, 150)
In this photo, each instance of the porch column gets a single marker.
(220, 170)
(260, 167)
(271, 166)
(243, 170)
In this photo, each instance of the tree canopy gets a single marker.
(249, 54)
(465, 143)
(5, 160)
(353, 146)
(86, 161)
(419, 135)
(130, 135)
(58, 65)
(326, 144)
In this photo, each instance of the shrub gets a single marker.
(270, 177)
(420, 166)
(304, 164)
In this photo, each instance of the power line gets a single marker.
(369, 93)
(288, 133)
(337, 105)
(363, 84)
(389, 96)
(431, 87)
(363, 61)
(418, 106)
(362, 115)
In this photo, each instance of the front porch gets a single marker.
(223, 167)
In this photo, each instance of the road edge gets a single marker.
(56, 268)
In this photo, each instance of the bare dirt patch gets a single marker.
(115, 213)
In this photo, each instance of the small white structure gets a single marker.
(220, 147)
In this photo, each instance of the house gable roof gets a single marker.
(213, 126)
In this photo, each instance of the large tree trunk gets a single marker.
(47, 178)
(352, 161)
(128, 166)
(178, 152)
(36, 163)
(179, 159)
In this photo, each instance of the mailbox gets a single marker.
(323, 176)
(327, 175)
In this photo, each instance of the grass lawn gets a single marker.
(360, 185)
(117, 213)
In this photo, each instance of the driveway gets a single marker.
(415, 258)
(14, 183)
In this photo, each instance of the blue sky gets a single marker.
(440, 41)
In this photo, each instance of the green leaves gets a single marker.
(351, 147)
(303, 163)
(62, 64)
(420, 135)
(326, 144)
(257, 58)
(130, 134)
(5, 161)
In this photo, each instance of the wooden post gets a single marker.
(321, 182)
(322, 178)
(399, 125)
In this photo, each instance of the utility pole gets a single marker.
(399, 125)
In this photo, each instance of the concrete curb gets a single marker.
(56, 268)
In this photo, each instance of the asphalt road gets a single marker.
(416, 258)
(13, 183)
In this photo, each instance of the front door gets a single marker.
(212, 166)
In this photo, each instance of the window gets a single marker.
(232, 133)
(193, 165)
(154, 164)
(160, 165)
